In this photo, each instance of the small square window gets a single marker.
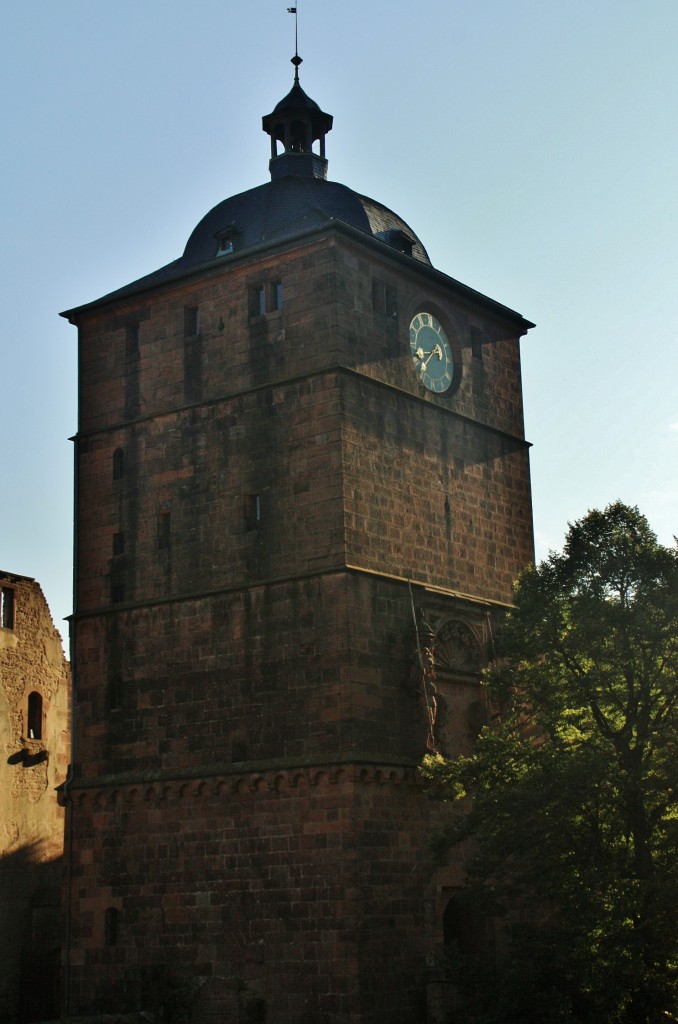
(7, 607)
(226, 239)
(225, 245)
(399, 240)
(265, 298)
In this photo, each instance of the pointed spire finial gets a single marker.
(296, 60)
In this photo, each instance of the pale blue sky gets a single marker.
(531, 144)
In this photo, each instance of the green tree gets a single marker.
(574, 784)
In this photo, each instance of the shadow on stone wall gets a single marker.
(31, 928)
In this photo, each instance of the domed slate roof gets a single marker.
(288, 206)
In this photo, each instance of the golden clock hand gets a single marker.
(436, 351)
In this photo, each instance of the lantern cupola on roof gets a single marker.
(296, 123)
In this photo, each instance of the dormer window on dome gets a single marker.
(226, 239)
(297, 122)
(397, 239)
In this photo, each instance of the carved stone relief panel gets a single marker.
(457, 649)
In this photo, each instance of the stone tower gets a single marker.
(294, 442)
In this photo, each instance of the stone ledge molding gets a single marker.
(266, 782)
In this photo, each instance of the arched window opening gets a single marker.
(277, 136)
(298, 137)
(111, 926)
(118, 464)
(34, 723)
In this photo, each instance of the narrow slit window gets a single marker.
(164, 530)
(117, 593)
(384, 298)
(114, 693)
(34, 722)
(7, 607)
(191, 321)
(391, 301)
(252, 511)
(276, 295)
(476, 343)
(118, 543)
(132, 341)
(111, 926)
(118, 464)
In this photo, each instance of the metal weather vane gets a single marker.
(296, 60)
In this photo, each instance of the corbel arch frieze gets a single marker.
(277, 781)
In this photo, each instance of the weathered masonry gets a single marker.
(34, 728)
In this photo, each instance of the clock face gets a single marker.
(431, 353)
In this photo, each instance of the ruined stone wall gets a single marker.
(34, 728)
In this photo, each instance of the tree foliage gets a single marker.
(574, 784)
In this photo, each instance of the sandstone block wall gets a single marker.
(297, 888)
(34, 732)
(266, 502)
